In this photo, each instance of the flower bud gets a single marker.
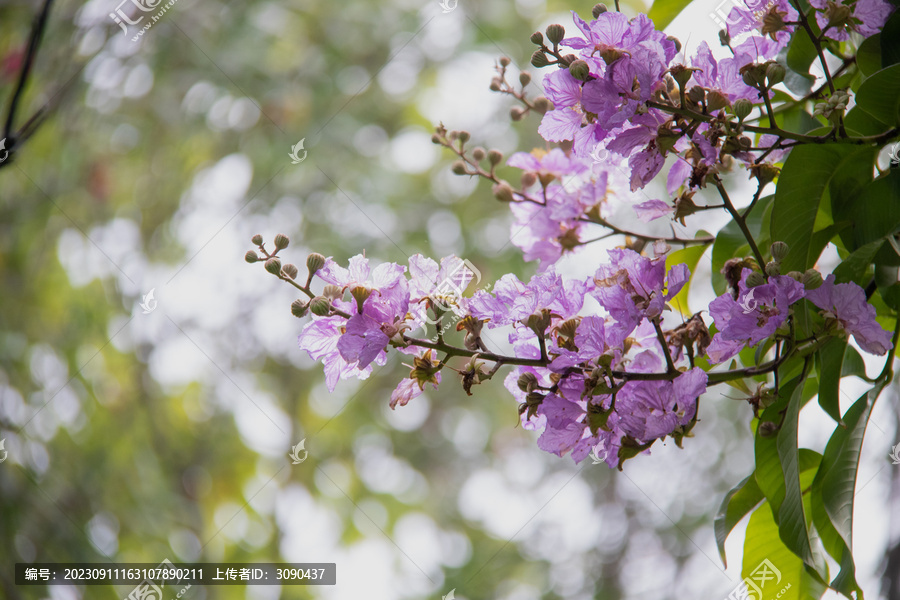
(495, 156)
(251, 257)
(299, 308)
(539, 59)
(773, 269)
(795, 275)
(524, 78)
(742, 108)
(755, 278)
(333, 291)
(779, 251)
(503, 192)
(273, 266)
(811, 279)
(314, 262)
(775, 73)
(290, 270)
(598, 10)
(516, 113)
(320, 306)
(580, 70)
(496, 83)
(767, 429)
(537, 38)
(716, 100)
(527, 382)
(257, 239)
(459, 168)
(838, 14)
(504, 61)
(528, 179)
(542, 105)
(555, 33)
(479, 153)
(464, 136)
(435, 139)
(282, 241)
(696, 94)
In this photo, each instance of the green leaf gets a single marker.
(890, 41)
(664, 12)
(861, 121)
(854, 267)
(742, 499)
(690, 256)
(868, 56)
(802, 184)
(764, 551)
(833, 489)
(801, 53)
(873, 209)
(879, 95)
(829, 362)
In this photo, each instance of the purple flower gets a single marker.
(565, 426)
(363, 340)
(556, 163)
(869, 17)
(723, 75)
(320, 339)
(631, 289)
(846, 302)
(653, 409)
(753, 317)
(512, 301)
(408, 389)
(652, 209)
(390, 295)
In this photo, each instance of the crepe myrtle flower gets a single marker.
(320, 338)
(633, 287)
(845, 304)
(650, 410)
(424, 371)
(752, 317)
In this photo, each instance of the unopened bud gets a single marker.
(537, 38)
(459, 168)
(742, 108)
(811, 279)
(779, 251)
(333, 291)
(516, 113)
(524, 78)
(555, 33)
(716, 100)
(464, 136)
(504, 61)
(503, 192)
(528, 179)
(320, 306)
(539, 59)
(479, 154)
(282, 241)
(257, 239)
(495, 156)
(290, 270)
(542, 105)
(598, 10)
(314, 262)
(838, 14)
(773, 269)
(435, 139)
(580, 70)
(795, 275)
(754, 279)
(299, 308)
(496, 83)
(251, 257)
(527, 382)
(775, 73)
(273, 266)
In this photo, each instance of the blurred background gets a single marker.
(138, 435)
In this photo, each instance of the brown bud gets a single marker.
(503, 192)
(257, 239)
(290, 271)
(282, 241)
(299, 308)
(273, 266)
(555, 33)
(251, 256)
(320, 306)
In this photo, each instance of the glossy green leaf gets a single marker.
(664, 12)
(890, 41)
(829, 363)
(801, 186)
(742, 499)
(879, 95)
(874, 209)
(854, 267)
(868, 57)
(801, 53)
